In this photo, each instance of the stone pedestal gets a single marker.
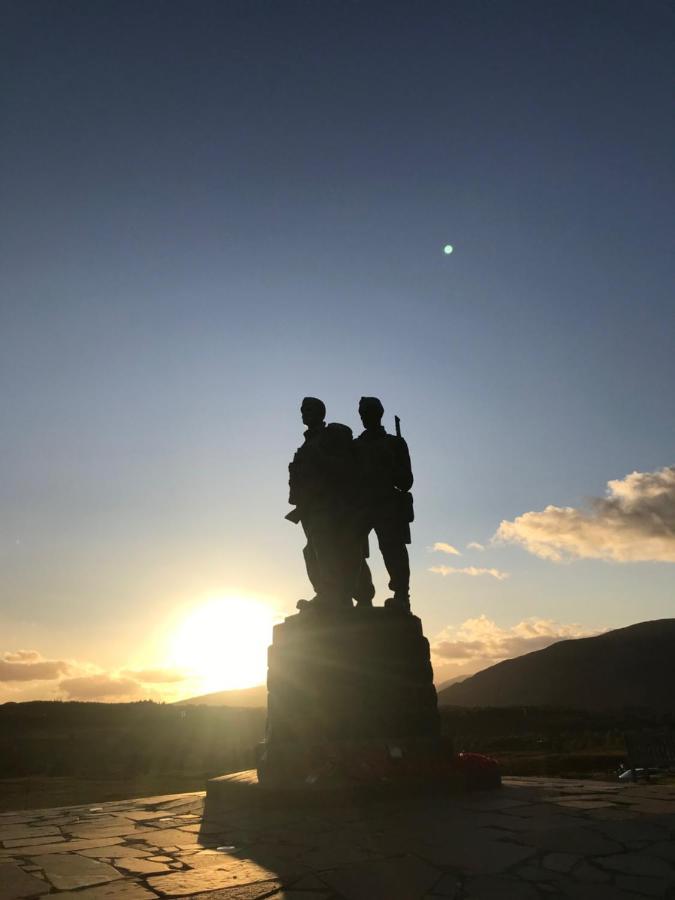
(355, 676)
(351, 697)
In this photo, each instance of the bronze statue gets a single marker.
(303, 492)
(385, 477)
(323, 482)
(351, 700)
(342, 489)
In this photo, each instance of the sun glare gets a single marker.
(222, 644)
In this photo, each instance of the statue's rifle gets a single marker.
(405, 497)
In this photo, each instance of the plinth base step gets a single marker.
(347, 774)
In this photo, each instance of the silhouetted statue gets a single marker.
(303, 493)
(323, 481)
(385, 479)
(351, 698)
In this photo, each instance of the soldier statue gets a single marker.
(323, 483)
(385, 479)
(301, 482)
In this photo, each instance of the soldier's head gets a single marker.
(339, 437)
(371, 411)
(313, 411)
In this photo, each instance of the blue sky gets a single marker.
(212, 210)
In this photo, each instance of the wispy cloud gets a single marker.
(28, 665)
(473, 571)
(21, 656)
(26, 674)
(474, 545)
(442, 547)
(633, 522)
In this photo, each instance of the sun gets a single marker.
(222, 643)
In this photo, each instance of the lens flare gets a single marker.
(222, 644)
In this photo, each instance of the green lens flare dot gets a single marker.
(448, 249)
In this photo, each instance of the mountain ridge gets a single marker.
(630, 667)
(250, 697)
(256, 696)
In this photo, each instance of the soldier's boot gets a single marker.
(306, 604)
(399, 603)
(395, 555)
(364, 590)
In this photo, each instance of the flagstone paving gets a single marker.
(533, 839)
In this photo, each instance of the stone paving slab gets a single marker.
(533, 839)
(16, 883)
(68, 870)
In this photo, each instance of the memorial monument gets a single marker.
(351, 698)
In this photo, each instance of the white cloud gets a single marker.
(28, 665)
(633, 522)
(442, 547)
(473, 571)
(26, 675)
(21, 656)
(480, 642)
(474, 545)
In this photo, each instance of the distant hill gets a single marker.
(448, 681)
(244, 697)
(257, 696)
(628, 668)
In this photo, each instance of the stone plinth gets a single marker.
(353, 691)
(356, 676)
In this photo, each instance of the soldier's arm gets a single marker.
(292, 482)
(403, 476)
(300, 471)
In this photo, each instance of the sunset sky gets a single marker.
(212, 209)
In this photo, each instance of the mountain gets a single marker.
(448, 681)
(244, 697)
(627, 668)
(255, 696)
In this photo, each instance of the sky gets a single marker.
(212, 210)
